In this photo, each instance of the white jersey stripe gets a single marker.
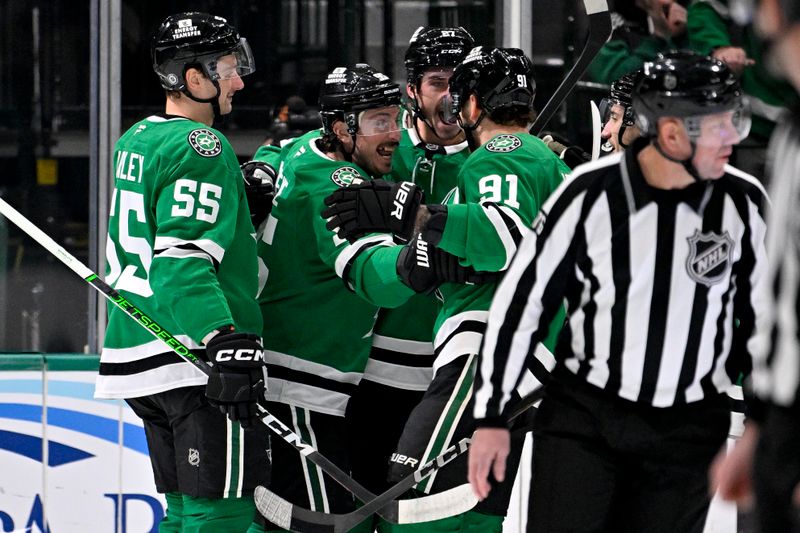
(213, 249)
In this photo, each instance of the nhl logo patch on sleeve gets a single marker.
(504, 143)
(344, 176)
(205, 143)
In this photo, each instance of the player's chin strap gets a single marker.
(351, 120)
(469, 130)
(687, 163)
(417, 114)
(214, 100)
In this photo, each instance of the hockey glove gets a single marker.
(259, 186)
(423, 267)
(236, 382)
(373, 206)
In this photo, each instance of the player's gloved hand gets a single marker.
(423, 267)
(236, 381)
(259, 186)
(373, 206)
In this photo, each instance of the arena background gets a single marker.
(73, 75)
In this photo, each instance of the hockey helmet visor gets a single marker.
(379, 121)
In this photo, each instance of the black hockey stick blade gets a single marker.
(436, 506)
(284, 514)
(294, 518)
(599, 32)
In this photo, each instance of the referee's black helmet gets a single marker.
(684, 84)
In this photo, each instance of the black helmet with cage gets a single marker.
(435, 47)
(198, 40)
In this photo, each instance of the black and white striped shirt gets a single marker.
(776, 375)
(653, 281)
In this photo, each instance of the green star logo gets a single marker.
(504, 143)
(205, 143)
(344, 176)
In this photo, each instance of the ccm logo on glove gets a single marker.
(400, 199)
(242, 354)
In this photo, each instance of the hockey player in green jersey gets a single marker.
(180, 245)
(500, 189)
(321, 292)
(431, 151)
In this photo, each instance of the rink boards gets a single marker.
(67, 460)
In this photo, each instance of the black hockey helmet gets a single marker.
(685, 85)
(197, 40)
(499, 77)
(349, 90)
(621, 94)
(435, 47)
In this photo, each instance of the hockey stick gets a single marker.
(147, 322)
(597, 126)
(457, 500)
(599, 32)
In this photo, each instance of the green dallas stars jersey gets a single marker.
(180, 246)
(500, 189)
(408, 329)
(317, 329)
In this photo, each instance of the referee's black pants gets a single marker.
(604, 464)
(776, 471)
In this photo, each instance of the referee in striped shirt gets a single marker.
(658, 253)
(767, 457)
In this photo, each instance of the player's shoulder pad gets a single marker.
(344, 175)
(503, 143)
(205, 142)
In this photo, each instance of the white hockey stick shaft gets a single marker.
(597, 127)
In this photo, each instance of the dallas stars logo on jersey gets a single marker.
(344, 176)
(205, 143)
(504, 143)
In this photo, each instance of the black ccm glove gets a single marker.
(373, 206)
(424, 267)
(259, 186)
(236, 381)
